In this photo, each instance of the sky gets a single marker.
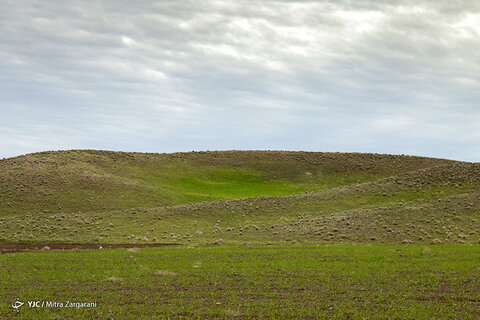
(399, 77)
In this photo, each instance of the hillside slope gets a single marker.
(89, 180)
(377, 199)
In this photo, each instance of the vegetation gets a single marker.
(256, 234)
(241, 282)
(70, 181)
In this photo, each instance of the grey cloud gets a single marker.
(376, 76)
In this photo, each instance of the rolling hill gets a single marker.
(87, 180)
(238, 197)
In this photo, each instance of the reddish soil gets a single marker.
(21, 247)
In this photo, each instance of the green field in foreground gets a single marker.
(242, 282)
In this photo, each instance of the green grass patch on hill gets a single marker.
(187, 183)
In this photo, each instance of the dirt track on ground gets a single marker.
(22, 247)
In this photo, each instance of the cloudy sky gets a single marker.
(398, 77)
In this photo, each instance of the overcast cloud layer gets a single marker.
(397, 77)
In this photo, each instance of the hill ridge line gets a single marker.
(94, 151)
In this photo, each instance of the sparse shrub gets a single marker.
(165, 273)
(113, 279)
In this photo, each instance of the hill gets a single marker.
(253, 197)
(89, 180)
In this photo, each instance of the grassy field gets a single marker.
(256, 234)
(242, 282)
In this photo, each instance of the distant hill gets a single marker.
(91, 180)
(238, 197)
